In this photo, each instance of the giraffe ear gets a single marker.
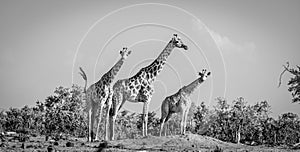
(174, 38)
(208, 73)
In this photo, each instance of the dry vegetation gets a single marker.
(189, 142)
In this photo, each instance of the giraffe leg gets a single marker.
(145, 118)
(167, 128)
(182, 122)
(116, 98)
(110, 129)
(107, 132)
(93, 113)
(88, 109)
(90, 125)
(109, 102)
(186, 114)
(164, 114)
(99, 120)
(112, 121)
(121, 105)
(150, 91)
(185, 119)
(168, 123)
(162, 121)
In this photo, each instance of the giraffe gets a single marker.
(100, 93)
(180, 102)
(139, 88)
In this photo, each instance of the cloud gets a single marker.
(226, 44)
(245, 50)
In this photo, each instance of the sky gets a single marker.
(243, 43)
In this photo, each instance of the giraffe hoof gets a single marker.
(145, 136)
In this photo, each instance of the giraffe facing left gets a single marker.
(100, 94)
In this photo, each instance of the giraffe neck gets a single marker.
(156, 66)
(192, 86)
(110, 75)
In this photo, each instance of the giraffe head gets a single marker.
(204, 74)
(125, 53)
(176, 40)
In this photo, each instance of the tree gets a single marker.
(238, 117)
(236, 122)
(13, 121)
(219, 121)
(288, 128)
(27, 119)
(2, 121)
(199, 118)
(294, 82)
(38, 118)
(127, 125)
(256, 122)
(64, 112)
(271, 130)
(190, 117)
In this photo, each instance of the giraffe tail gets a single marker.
(166, 119)
(82, 73)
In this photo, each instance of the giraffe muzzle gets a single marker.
(185, 47)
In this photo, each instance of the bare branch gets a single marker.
(286, 68)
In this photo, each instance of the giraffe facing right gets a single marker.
(180, 102)
(99, 94)
(139, 88)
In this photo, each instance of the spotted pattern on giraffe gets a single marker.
(100, 94)
(139, 88)
(180, 102)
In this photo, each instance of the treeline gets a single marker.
(60, 113)
(238, 122)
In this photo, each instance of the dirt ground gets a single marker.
(189, 142)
